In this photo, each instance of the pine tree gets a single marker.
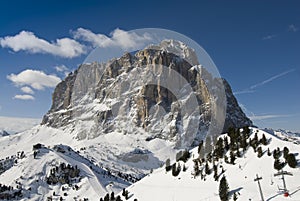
(244, 143)
(209, 157)
(112, 196)
(168, 166)
(184, 168)
(246, 131)
(232, 157)
(207, 169)
(226, 159)
(226, 144)
(224, 189)
(269, 152)
(235, 196)
(106, 198)
(176, 169)
(285, 152)
(219, 150)
(291, 160)
(215, 167)
(259, 152)
(254, 141)
(264, 140)
(278, 165)
(196, 168)
(238, 153)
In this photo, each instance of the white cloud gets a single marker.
(120, 38)
(27, 41)
(293, 28)
(36, 79)
(27, 90)
(269, 37)
(24, 97)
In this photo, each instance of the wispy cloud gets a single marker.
(293, 28)
(271, 79)
(255, 117)
(118, 38)
(62, 69)
(269, 37)
(268, 116)
(27, 41)
(24, 97)
(252, 88)
(246, 91)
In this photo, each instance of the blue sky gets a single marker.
(254, 44)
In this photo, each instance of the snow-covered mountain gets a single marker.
(285, 135)
(162, 185)
(161, 89)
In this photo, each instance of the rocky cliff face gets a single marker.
(161, 90)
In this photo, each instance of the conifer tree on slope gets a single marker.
(224, 189)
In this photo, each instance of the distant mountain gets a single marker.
(3, 133)
(16, 124)
(285, 134)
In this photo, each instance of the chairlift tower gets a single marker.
(282, 173)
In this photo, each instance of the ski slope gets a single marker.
(161, 185)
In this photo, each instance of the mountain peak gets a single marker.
(178, 48)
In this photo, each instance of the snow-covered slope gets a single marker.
(161, 185)
(30, 172)
(101, 160)
(112, 162)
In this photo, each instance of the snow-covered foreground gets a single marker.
(112, 162)
(161, 185)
